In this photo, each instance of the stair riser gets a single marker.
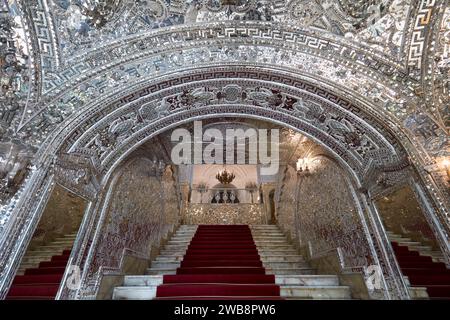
(142, 281)
(276, 271)
(263, 247)
(272, 259)
(45, 253)
(263, 253)
(165, 265)
(161, 272)
(134, 293)
(286, 265)
(316, 293)
(307, 280)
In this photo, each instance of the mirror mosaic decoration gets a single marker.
(86, 82)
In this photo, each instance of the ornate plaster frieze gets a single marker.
(338, 48)
(394, 103)
(123, 125)
(16, 68)
(82, 23)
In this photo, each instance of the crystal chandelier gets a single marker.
(99, 11)
(225, 177)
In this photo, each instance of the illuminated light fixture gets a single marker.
(302, 166)
(225, 177)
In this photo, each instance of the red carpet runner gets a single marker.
(423, 272)
(222, 262)
(40, 283)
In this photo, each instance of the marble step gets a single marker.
(70, 238)
(53, 247)
(175, 247)
(164, 265)
(34, 260)
(186, 230)
(178, 242)
(307, 280)
(287, 252)
(285, 265)
(271, 265)
(420, 248)
(410, 243)
(276, 247)
(156, 271)
(266, 246)
(166, 253)
(434, 255)
(315, 292)
(264, 226)
(134, 293)
(169, 258)
(290, 292)
(281, 258)
(187, 235)
(398, 239)
(291, 271)
(267, 232)
(25, 266)
(257, 242)
(418, 293)
(63, 243)
(46, 253)
(267, 258)
(143, 281)
(181, 238)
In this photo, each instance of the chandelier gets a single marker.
(225, 177)
(99, 11)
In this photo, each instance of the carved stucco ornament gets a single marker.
(78, 173)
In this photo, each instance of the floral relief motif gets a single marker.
(327, 217)
(141, 211)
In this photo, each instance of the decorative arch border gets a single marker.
(28, 211)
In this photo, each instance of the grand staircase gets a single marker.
(230, 262)
(41, 270)
(422, 266)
